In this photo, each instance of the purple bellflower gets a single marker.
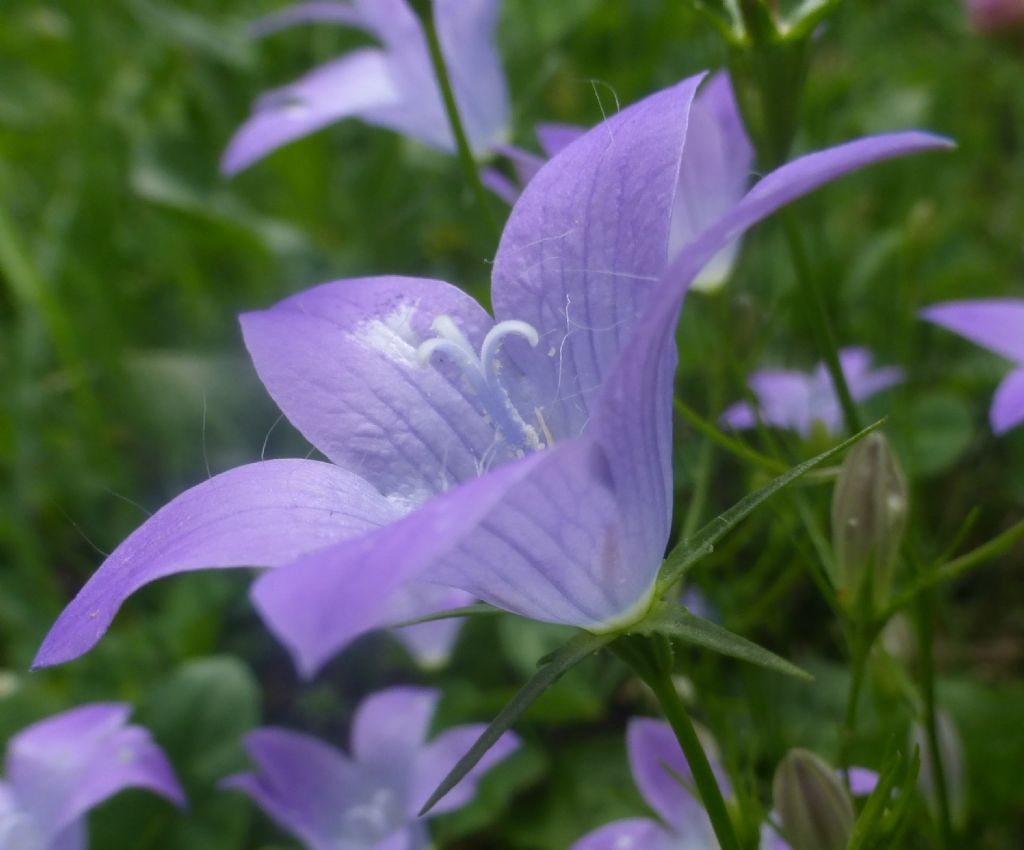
(713, 178)
(391, 86)
(369, 800)
(787, 398)
(58, 769)
(523, 459)
(998, 325)
(663, 776)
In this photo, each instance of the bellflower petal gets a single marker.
(466, 30)
(998, 325)
(993, 323)
(577, 260)
(299, 784)
(318, 604)
(263, 514)
(341, 361)
(862, 781)
(368, 801)
(393, 86)
(716, 171)
(500, 184)
(391, 726)
(59, 768)
(713, 176)
(1008, 403)
(430, 643)
(658, 765)
(630, 834)
(351, 86)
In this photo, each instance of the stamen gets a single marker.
(496, 336)
(483, 373)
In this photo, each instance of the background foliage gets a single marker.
(125, 257)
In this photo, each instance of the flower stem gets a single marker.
(651, 661)
(858, 662)
(469, 167)
(820, 323)
(926, 637)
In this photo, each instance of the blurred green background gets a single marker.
(125, 258)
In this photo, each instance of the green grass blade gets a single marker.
(571, 654)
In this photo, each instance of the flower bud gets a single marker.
(815, 809)
(869, 516)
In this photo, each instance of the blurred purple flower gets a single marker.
(58, 769)
(391, 86)
(369, 800)
(713, 178)
(523, 459)
(998, 325)
(663, 776)
(995, 16)
(796, 400)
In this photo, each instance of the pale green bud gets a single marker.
(869, 516)
(814, 806)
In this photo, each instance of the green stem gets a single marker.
(858, 661)
(650, 661)
(955, 568)
(926, 638)
(469, 167)
(817, 314)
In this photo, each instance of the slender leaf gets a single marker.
(674, 621)
(703, 542)
(898, 771)
(448, 614)
(898, 817)
(568, 656)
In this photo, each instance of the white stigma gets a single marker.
(483, 373)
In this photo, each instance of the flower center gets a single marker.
(369, 820)
(483, 372)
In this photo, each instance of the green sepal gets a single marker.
(571, 654)
(688, 552)
(675, 621)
